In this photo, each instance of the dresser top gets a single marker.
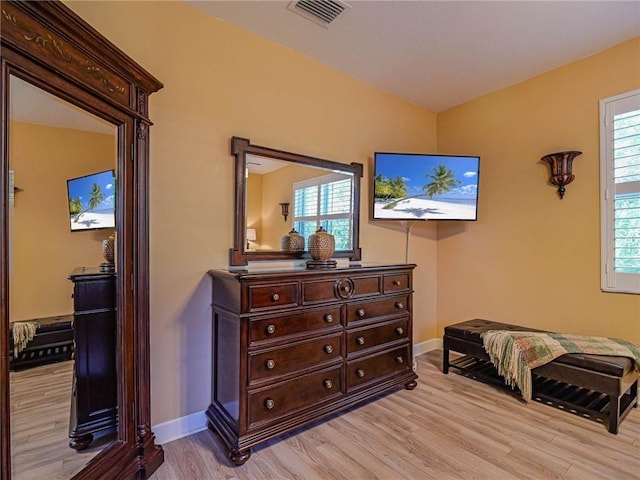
(368, 267)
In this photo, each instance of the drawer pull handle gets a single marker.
(270, 364)
(328, 318)
(328, 383)
(345, 287)
(271, 329)
(269, 404)
(399, 359)
(360, 340)
(275, 297)
(399, 305)
(328, 348)
(399, 330)
(360, 312)
(396, 283)
(360, 373)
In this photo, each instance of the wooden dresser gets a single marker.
(291, 347)
(94, 398)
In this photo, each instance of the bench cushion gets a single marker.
(472, 329)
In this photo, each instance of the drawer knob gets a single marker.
(328, 348)
(396, 283)
(270, 364)
(360, 312)
(360, 340)
(399, 330)
(328, 383)
(399, 359)
(271, 329)
(328, 318)
(275, 297)
(360, 373)
(399, 305)
(269, 404)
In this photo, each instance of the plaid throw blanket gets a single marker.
(515, 354)
(23, 333)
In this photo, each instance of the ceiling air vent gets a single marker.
(322, 12)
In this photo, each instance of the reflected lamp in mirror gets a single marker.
(560, 164)
(251, 237)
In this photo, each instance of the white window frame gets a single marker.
(612, 281)
(318, 218)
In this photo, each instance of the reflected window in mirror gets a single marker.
(325, 201)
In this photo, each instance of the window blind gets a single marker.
(626, 175)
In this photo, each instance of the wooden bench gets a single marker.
(53, 343)
(598, 387)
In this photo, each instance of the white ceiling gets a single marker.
(439, 54)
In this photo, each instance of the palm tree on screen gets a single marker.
(442, 181)
(96, 199)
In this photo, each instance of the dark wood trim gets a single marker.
(48, 45)
(240, 148)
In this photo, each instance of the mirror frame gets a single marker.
(49, 46)
(240, 148)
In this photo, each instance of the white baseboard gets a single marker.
(427, 346)
(180, 427)
(196, 422)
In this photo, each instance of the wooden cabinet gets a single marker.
(291, 347)
(94, 396)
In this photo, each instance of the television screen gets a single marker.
(92, 201)
(411, 186)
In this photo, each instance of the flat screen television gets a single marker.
(408, 186)
(92, 201)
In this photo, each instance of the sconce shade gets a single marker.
(285, 210)
(560, 164)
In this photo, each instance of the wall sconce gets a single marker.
(285, 210)
(560, 166)
(251, 236)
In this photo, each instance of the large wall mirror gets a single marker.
(278, 191)
(74, 334)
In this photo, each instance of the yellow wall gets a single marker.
(219, 82)
(254, 208)
(43, 249)
(531, 258)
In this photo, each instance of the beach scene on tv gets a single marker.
(92, 201)
(425, 187)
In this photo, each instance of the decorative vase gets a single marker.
(293, 242)
(321, 247)
(108, 252)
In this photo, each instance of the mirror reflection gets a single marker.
(62, 298)
(283, 196)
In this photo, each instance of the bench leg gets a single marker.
(445, 360)
(634, 393)
(614, 413)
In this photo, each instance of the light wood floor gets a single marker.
(40, 403)
(449, 427)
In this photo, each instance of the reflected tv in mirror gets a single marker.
(408, 187)
(92, 201)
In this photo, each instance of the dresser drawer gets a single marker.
(374, 368)
(367, 338)
(389, 306)
(294, 357)
(340, 288)
(308, 321)
(276, 295)
(268, 405)
(396, 282)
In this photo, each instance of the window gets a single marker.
(325, 201)
(620, 192)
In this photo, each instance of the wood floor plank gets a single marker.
(450, 427)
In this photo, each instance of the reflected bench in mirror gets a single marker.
(317, 192)
(52, 341)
